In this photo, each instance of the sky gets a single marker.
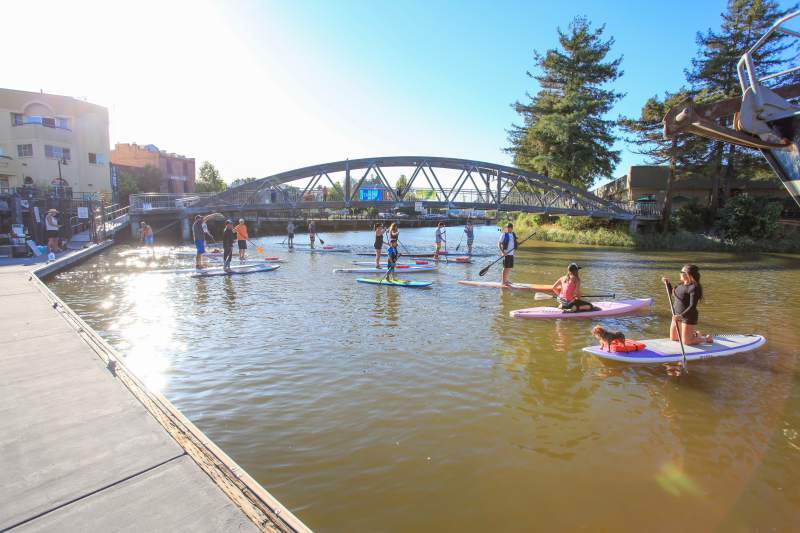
(260, 87)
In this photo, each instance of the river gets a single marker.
(370, 408)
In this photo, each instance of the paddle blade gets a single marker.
(259, 249)
(484, 270)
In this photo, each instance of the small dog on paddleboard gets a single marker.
(607, 337)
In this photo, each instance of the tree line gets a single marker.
(565, 131)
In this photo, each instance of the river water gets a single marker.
(370, 408)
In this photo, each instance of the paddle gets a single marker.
(677, 326)
(545, 296)
(462, 237)
(485, 269)
(259, 249)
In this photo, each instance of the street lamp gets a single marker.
(61, 161)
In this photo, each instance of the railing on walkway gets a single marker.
(146, 202)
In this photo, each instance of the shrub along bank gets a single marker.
(745, 224)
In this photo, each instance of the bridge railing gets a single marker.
(145, 202)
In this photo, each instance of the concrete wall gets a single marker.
(87, 133)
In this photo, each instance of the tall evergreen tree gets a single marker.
(713, 77)
(564, 133)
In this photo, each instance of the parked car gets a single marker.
(401, 215)
(434, 216)
(385, 215)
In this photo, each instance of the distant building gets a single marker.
(649, 183)
(177, 170)
(50, 141)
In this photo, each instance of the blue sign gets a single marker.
(370, 195)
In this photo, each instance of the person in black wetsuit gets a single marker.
(379, 231)
(228, 238)
(688, 294)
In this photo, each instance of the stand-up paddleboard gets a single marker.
(405, 269)
(266, 260)
(532, 287)
(658, 351)
(372, 263)
(449, 259)
(396, 283)
(426, 255)
(606, 309)
(324, 249)
(235, 270)
(188, 253)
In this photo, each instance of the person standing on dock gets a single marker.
(441, 237)
(290, 233)
(51, 227)
(146, 236)
(470, 233)
(199, 232)
(241, 238)
(228, 236)
(507, 245)
(312, 233)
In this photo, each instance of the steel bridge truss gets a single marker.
(479, 185)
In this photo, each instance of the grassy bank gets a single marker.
(611, 233)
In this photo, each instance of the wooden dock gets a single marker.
(85, 446)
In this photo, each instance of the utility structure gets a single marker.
(764, 118)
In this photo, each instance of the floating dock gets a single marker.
(85, 446)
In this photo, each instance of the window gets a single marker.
(56, 152)
(92, 158)
(24, 150)
(18, 119)
(97, 159)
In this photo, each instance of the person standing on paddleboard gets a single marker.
(688, 294)
(312, 233)
(507, 245)
(394, 232)
(441, 237)
(241, 238)
(392, 254)
(146, 236)
(199, 232)
(568, 289)
(228, 236)
(290, 233)
(378, 245)
(470, 233)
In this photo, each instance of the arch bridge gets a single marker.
(475, 185)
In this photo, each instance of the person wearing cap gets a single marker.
(241, 238)
(228, 236)
(199, 232)
(507, 245)
(146, 235)
(469, 231)
(312, 233)
(568, 289)
(51, 227)
(290, 233)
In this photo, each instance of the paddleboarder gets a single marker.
(241, 238)
(199, 232)
(290, 233)
(146, 235)
(568, 289)
(469, 231)
(394, 232)
(378, 245)
(228, 236)
(52, 227)
(441, 238)
(391, 262)
(688, 294)
(312, 233)
(507, 245)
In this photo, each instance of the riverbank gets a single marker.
(617, 236)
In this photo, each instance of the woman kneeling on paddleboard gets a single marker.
(568, 289)
(688, 294)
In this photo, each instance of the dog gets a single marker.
(607, 337)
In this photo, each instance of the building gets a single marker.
(649, 183)
(49, 141)
(177, 170)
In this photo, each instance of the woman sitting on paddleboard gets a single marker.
(688, 294)
(378, 243)
(568, 289)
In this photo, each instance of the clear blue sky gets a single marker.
(259, 87)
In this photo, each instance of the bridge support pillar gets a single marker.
(633, 225)
(186, 229)
(135, 220)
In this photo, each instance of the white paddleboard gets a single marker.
(235, 270)
(402, 269)
(657, 351)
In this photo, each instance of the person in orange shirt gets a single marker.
(241, 238)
